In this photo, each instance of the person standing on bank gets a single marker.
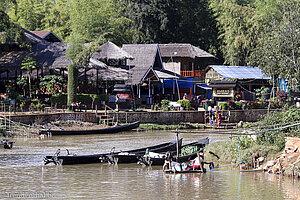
(117, 103)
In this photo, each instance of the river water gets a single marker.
(23, 175)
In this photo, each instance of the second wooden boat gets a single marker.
(187, 152)
(116, 129)
(252, 170)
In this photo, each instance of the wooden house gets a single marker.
(146, 72)
(49, 36)
(226, 81)
(185, 59)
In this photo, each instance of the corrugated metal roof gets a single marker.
(239, 72)
(41, 34)
(47, 35)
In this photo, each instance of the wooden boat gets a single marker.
(6, 144)
(115, 129)
(252, 170)
(195, 147)
(135, 156)
(97, 158)
(183, 172)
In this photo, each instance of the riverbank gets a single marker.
(170, 126)
(271, 158)
(147, 116)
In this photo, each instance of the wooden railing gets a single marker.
(192, 73)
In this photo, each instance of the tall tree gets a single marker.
(90, 19)
(27, 13)
(11, 34)
(237, 32)
(29, 64)
(57, 18)
(277, 51)
(80, 55)
(170, 21)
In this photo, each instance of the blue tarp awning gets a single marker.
(182, 83)
(204, 86)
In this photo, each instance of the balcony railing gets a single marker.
(193, 73)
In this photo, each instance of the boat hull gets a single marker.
(135, 156)
(116, 129)
(110, 157)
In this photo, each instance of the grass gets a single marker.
(171, 126)
(228, 152)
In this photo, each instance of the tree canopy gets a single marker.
(262, 33)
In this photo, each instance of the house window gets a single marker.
(122, 62)
(113, 62)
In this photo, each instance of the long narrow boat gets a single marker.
(116, 129)
(135, 156)
(95, 158)
(187, 152)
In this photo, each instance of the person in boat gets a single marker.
(57, 153)
(168, 160)
(170, 164)
(198, 162)
(116, 124)
(186, 167)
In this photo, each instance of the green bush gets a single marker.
(276, 137)
(83, 98)
(224, 105)
(165, 104)
(59, 99)
(239, 105)
(100, 97)
(185, 103)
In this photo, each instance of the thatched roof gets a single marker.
(143, 58)
(109, 73)
(96, 64)
(183, 50)
(111, 51)
(51, 55)
(45, 53)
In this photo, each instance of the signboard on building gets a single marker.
(222, 92)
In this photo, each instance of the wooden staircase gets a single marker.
(106, 118)
(16, 128)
